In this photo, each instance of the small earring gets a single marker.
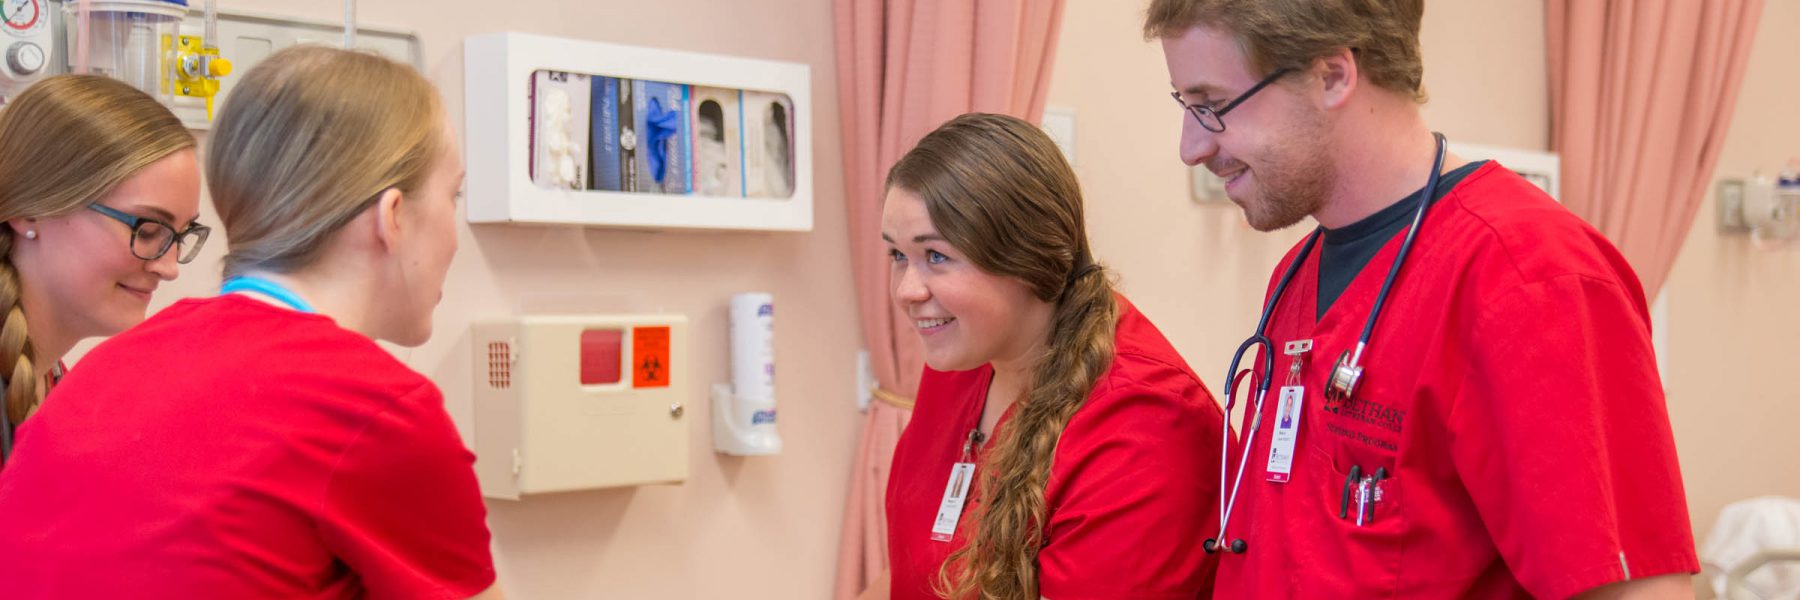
(31, 234)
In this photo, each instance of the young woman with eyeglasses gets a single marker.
(100, 194)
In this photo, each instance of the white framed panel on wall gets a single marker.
(499, 120)
(1543, 169)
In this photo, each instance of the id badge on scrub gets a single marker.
(962, 476)
(1287, 430)
(1287, 415)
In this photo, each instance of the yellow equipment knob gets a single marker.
(218, 67)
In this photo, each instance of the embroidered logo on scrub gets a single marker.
(1369, 412)
(1366, 412)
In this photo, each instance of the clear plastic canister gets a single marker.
(129, 40)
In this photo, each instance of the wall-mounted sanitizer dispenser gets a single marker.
(579, 402)
(744, 410)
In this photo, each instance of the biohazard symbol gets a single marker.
(652, 369)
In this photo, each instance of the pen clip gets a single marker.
(1365, 508)
(1344, 498)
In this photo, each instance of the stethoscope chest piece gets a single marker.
(1342, 385)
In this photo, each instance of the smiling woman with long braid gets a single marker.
(99, 192)
(1092, 484)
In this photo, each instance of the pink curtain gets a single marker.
(904, 67)
(1641, 97)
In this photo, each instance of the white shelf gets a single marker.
(497, 76)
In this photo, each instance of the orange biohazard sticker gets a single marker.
(650, 357)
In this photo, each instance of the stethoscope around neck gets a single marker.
(1340, 387)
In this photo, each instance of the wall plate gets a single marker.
(1059, 124)
(1728, 205)
(1205, 187)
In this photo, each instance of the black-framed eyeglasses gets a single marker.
(1214, 120)
(150, 238)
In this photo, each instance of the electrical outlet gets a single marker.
(1728, 205)
(1206, 188)
(865, 381)
(1059, 123)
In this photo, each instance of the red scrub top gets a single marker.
(1511, 395)
(227, 448)
(1132, 488)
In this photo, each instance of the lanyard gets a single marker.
(251, 283)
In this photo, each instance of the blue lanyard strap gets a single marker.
(251, 283)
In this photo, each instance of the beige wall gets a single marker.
(767, 527)
(1734, 309)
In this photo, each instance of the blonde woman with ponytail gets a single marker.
(99, 192)
(259, 444)
(1079, 439)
